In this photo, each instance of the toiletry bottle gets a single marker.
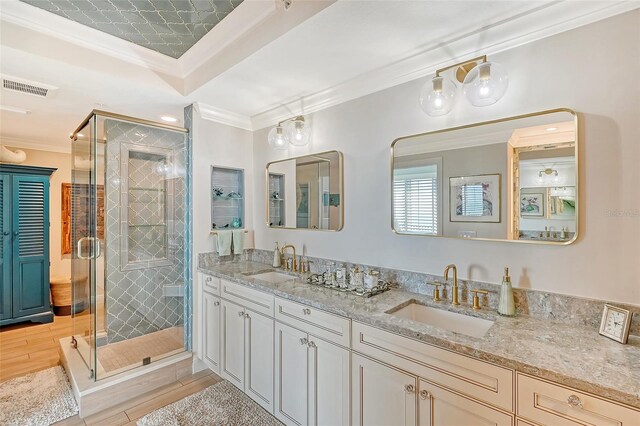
(507, 304)
(277, 261)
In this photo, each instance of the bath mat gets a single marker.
(40, 398)
(220, 404)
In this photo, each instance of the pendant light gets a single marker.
(293, 131)
(484, 83)
(277, 138)
(297, 131)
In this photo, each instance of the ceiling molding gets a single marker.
(558, 17)
(228, 118)
(48, 23)
(13, 142)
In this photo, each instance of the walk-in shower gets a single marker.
(129, 231)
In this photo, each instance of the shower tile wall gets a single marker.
(135, 300)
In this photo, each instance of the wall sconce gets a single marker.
(543, 174)
(483, 83)
(294, 131)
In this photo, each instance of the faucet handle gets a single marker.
(436, 290)
(476, 299)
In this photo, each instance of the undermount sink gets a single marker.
(273, 277)
(446, 320)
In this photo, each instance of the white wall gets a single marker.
(594, 70)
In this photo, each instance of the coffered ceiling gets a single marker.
(259, 64)
(170, 27)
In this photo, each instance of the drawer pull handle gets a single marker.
(304, 341)
(424, 394)
(409, 388)
(306, 311)
(216, 303)
(574, 401)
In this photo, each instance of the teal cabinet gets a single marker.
(24, 233)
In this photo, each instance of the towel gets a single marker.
(238, 241)
(224, 243)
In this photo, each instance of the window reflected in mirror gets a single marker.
(306, 192)
(513, 179)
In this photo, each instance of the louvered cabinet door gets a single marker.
(30, 236)
(5, 248)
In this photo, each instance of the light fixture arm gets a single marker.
(297, 117)
(463, 67)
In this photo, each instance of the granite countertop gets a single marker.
(572, 355)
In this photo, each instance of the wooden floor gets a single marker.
(28, 347)
(129, 412)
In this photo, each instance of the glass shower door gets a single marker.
(85, 247)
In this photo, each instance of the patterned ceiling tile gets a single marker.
(170, 27)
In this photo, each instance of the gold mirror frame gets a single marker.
(484, 123)
(341, 186)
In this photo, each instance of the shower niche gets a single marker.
(147, 207)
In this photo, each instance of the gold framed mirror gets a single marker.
(306, 192)
(513, 179)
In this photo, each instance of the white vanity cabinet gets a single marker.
(246, 343)
(312, 379)
(210, 325)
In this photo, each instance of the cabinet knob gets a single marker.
(306, 311)
(424, 394)
(409, 388)
(5, 233)
(216, 303)
(304, 341)
(574, 401)
(246, 315)
(312, 344)
(207, 280)
(240, 313)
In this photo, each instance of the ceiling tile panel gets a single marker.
(170, 27)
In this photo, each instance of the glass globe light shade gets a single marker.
(438, 96)
(485, 84)
(297, 131)
(277, 138)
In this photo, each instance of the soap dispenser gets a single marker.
(507, 304)
(277, 261)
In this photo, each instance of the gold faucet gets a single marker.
(454, 288)
(293, 263)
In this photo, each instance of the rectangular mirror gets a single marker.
(306, 192)
(514, 179)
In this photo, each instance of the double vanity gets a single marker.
(311, 355)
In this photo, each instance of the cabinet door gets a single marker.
(5, 248)
(31, 245)
(381, 394)
(291, 375)
(211, 331)
(329, 375)
(440, 407)
(259, 359)
(232, 359)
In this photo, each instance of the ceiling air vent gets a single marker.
(28, 87)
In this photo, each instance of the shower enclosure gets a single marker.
(129, 235)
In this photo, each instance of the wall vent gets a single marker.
(28, 87)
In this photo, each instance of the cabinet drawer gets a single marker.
(247, 297)
(324, 325)
(469, 376)
(211, 284)
(549, 404)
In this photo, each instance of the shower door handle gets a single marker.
(95, 248)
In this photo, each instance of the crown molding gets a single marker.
(48, 23)
(525, 28)
(13, 142)
(228, 118)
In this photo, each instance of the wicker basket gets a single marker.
(61, 295)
